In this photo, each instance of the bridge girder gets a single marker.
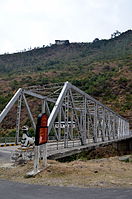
(83, 116)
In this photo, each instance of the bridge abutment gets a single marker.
(123, 146)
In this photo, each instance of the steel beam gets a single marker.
(57, 106)
(10, 104)
(18, 118)
(92, 99)
(95, 123)
(48, 110)
(33, 94)
(29, 112)
(59, 123)
(76, 118)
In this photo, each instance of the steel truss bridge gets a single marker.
(73, 115)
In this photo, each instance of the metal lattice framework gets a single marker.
(73, 114)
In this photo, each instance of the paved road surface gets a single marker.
(13, 190)
(5, 156)
(52, 148)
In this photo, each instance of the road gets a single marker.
(5, 156)
(14, 190)
(52, 148)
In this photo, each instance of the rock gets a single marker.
(125, 158)
(21, 162)
(130, 159)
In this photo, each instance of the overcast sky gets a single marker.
(32, 23)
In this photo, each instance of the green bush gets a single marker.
(122, 80)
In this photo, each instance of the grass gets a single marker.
(106, 172)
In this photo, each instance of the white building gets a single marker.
(62, 125)
(61, 42)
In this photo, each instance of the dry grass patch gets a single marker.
(107, 172)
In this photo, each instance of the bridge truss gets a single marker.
(83, 117)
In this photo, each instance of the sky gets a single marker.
(27, 24)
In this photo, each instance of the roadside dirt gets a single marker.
(106, 172)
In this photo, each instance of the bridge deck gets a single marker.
(56, 150)
(54, 153)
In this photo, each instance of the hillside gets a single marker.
(72, 56)
(102, 68)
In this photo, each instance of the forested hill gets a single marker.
(102, 68)
(72, 55)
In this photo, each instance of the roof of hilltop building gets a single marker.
(61, 42)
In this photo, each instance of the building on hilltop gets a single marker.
(61, 42)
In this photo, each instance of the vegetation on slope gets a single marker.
(102, 68)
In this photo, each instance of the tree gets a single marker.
(95, 40)
(115, 34)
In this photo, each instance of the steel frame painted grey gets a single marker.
(10, 104)
(57, 106)
(110, 122)
(94, 121)
(18, 119)
(29, 112)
